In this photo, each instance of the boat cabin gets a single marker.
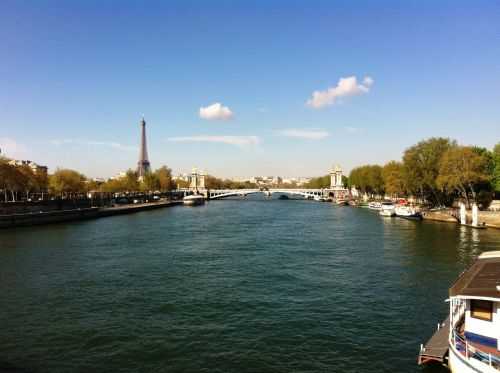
(474, 337)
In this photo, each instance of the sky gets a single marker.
(248, 88)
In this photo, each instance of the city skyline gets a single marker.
(244, 89)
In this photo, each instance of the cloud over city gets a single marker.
(109, 144)
(216, 111)
(240, 141)
(345, 87)
(307, 134)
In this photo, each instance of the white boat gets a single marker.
(194, 200)
(387, 209)
(408, 212)
(469, 340)
(374, 205)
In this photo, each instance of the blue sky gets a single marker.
(76, 77)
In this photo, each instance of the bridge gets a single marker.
(223, 193)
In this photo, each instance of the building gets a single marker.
(36, 168)
(143, 165)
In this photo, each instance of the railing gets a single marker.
(472, 352)
(457, 311)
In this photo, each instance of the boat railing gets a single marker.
(473, 352)
(457, 311)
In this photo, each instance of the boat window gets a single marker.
(481, 309)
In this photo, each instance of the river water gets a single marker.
(250, 285)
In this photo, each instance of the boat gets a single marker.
(342, 202)
(408, 212)
(387, 209)
(283, 196)
(374, 205)
(194, 200)
(469, 339)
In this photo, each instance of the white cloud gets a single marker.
(345, 87)
(312, 134)
(216, 111)
(11, 148)
(114, 145)
(241, 141)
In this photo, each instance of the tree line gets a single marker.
(21, 182)
(436, 170)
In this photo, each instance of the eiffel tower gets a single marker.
(143, 166)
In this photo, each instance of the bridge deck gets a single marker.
(436, 348)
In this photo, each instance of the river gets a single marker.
(250, 285)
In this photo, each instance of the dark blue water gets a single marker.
(232, 286)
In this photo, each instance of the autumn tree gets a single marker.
(66, 181)
(393, 175)
(461, 169)
(164, 175)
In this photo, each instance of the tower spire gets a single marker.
(143, 166)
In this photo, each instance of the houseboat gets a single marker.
(194, 200)
(469, 340)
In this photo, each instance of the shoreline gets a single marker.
(59, 216)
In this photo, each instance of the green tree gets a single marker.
(496, 169)
(150, 182)
(368, 179)
(320, 182)
(67, 182)
(461, 169)
(421, 164)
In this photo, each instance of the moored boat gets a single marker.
(469, 340)
(374, 205)
(387, 209)
(408, 212)
(194, 200)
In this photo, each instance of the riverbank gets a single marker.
(51, 217)
(490, 219)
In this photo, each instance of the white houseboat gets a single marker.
(469, 340)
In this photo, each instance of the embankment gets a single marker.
(50, 217)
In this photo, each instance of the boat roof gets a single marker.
(481, 279)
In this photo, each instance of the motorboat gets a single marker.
(387, 209)
(374, 205)
(468, 341)
(194, 200)
(408, 212)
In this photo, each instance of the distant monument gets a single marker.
(197, 180)
(336, 178)
(143, 166)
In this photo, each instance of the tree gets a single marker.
(65, 181)
(150, 182)
(495, 182)
(394, 184)
(421, 167)
(164, 175)
(367, 179)
(461, 169)
(321, 182)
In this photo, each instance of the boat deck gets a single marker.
(436, 348)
